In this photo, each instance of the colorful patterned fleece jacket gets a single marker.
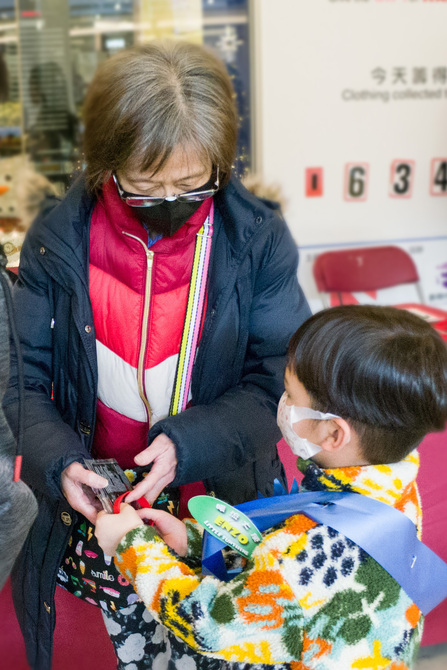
(309, 598)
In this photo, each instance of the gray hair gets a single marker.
(145, 102)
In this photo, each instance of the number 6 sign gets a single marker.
(356, 182)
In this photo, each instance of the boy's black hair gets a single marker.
(382, 369)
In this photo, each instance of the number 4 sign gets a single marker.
(356, 182)
(438, 179)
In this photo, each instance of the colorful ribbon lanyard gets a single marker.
(384, 532)
(194, 314)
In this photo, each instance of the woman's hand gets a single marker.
(111, 528)
(163, 456)
(77, 483)
(171, 530)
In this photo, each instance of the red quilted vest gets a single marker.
(139, 295)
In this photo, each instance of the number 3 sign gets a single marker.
(401, 179)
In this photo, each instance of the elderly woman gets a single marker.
(154, 304)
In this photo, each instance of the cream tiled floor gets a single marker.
(437, 663)
(432, 658)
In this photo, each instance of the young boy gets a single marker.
(364, 385)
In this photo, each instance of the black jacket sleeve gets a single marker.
(18, 507)
(49, 443)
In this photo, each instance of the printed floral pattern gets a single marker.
(91, 575)
(308, 599)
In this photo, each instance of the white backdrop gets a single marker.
(352, 123)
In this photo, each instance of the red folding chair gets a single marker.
(363, 269)
(370, 269)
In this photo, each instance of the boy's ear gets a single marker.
(337, 434)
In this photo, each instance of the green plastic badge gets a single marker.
(226, 523)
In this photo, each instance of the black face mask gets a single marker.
(167, 218)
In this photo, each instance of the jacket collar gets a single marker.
(68, 218)
(393, 483)
(63, 229)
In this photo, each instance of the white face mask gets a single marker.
(290, 414)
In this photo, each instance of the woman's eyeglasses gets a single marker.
(134, 200)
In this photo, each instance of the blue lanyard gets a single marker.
(384, 532)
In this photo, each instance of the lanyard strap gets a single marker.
(384, 532)
(194, 314)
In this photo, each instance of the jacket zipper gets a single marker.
(145, 325)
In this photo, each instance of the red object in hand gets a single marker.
(117, 504)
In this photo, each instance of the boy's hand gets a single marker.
(171, 530)
(111, 528)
